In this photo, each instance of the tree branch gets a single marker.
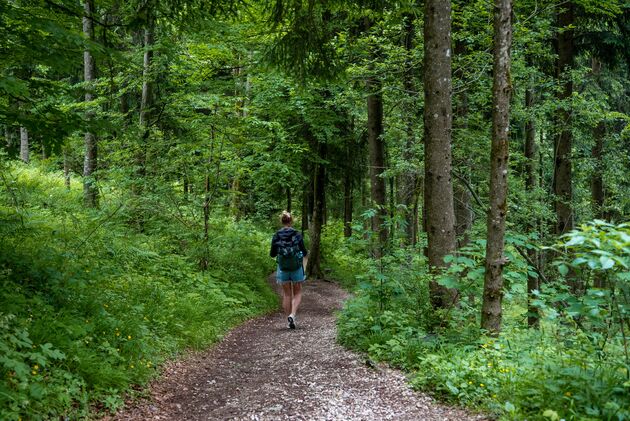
(470, 189)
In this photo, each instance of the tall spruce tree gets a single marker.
(438, 194)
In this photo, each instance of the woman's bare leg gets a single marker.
(297, 297)
(287, 296)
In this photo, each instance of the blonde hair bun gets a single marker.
(286, 218)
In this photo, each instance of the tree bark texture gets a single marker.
(313, 266)
(347, 192)
(491, 311)
(90, 190)
(438, 120)
(599, 133)
(146, 112)
(408, 185)
(376, 147)
(462, 196)
(24, 146)
(562, 180)
(531, 182)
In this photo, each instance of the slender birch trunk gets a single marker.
(24, 145)
(531, 183)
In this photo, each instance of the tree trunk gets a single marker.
(288, 191)
(463, 213)
(376, 148)
(66, 168)
(531, 182)
(10, 137)
(462, 195)
(531, 148)
(440, 215)
(599, 133)
(124, 109)
(90, 190)
(347, 193)
(563, 140)
(24, 149)
(146, 105)
(310, 204)
(392, 210)
(205, 260)
(147, 100)
(305, 199)
(235, 203)
(414, 232)
(597, 182)
(491, 311)
(313, 266)
(562, 180)
(408, 185)
(146, 112)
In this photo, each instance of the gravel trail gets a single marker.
(263, 371)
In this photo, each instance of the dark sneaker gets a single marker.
(291, 320)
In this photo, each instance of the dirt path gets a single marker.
(264, 371)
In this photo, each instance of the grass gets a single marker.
(91, 306)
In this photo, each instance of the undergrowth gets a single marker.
(573, 367)
(90, 306)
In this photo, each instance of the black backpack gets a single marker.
(289, 254)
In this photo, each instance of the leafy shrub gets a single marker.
(573, 367)
(91, 307)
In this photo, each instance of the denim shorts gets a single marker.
(294, 276)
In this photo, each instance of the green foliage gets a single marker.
(90, 307)
(573, 367)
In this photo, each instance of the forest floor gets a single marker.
(262, 370)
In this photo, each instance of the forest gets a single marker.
(462, 167)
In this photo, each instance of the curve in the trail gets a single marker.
(263, 371)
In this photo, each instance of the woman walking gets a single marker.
(287, 246)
